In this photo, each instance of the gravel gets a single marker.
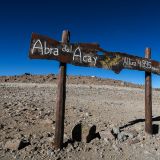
(111, 116)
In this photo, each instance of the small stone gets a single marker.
(87, 149)
(132, 134)
(95, 141)
(66, 137)
(78, 149)
(75, 144)
(16, 156)
(121, 137)
(28, 148)
(50, 152)
(13, 144)
(116, 130)
(46, 122)
(115, 147)
(131, 141)
(106, 140)
(69, 148)
(101, 155)
(87, 114)
(106, 135)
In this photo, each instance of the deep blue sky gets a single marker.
(117, 25)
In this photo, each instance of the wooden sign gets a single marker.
(88, 55)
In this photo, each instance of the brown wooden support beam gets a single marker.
(148, 96)
(61, 96)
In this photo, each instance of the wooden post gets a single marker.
(148, 96)
(61, 95)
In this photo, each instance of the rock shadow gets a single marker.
(92, 134)
(155, 127)
(77, 135)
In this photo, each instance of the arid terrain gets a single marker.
(109, 113)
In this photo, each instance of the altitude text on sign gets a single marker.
(88, 55)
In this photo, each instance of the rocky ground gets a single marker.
(109, 115)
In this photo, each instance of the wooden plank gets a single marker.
(61, 96)
(88, 55)
(148, 97)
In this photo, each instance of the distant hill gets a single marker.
(52, 78)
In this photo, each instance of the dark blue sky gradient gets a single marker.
(117, 25)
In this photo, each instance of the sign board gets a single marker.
(88, 55)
